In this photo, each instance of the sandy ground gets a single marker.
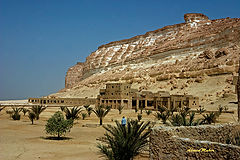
(21, 140)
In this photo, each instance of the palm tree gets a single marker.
(86, 106)
(72, 113)
(16, 113)
(1, 108)
(31, 116)
(101, 112)
(162, 115)
(124, 142)
(210, 118)
(89, 111)
(37, 110)
(84, 115)
(120, 108)
(24, 110)
(148, 112)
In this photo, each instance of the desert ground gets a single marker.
(21, 140)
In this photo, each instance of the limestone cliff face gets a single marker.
(197, 35)
(74, 75)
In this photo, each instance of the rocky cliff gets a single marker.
(198, 48)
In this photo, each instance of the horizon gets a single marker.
(40, 40)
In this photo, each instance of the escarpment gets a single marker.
(198, 47)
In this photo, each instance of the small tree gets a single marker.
(120, 108)
(37, 110)
(139, 117)
(163, 116)
(148, 112)
(89, 111)
(124, 142)
(16, 113)
(86, 106)
(31, 116)
(84, 115)
(1, 108)
(62, 108)
(201, 109)
(136, 110)
(210, 118)
(58, 126)
(24, 110)
(72, 113)
(101, 112)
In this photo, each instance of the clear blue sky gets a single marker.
(41, 39)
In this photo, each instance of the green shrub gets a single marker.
(163, 116)
(58, 126)
(210, 118)
(124, 142)
(16, 113)
(84, 115)
(148, 112)
(139, 117)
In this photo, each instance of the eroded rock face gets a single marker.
(74, 75)
(160, 52)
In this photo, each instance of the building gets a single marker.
(117, 94)
(63, 101)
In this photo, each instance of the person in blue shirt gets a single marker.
(124, 121)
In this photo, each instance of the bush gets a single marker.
(124, 142)
(84, 115)
(139, 117)
(58, 126)
(210, 118)
(148, 112)
(16, 113)
(163, 116)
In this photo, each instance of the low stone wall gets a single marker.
(195, 142)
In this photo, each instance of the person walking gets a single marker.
(124, 121)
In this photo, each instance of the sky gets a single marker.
(41, 39)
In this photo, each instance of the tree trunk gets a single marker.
(238, 92)
(100, 121)
(32, 121)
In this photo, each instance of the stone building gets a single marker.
(117, 94)
(63, 101)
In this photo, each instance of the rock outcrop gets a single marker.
(197, 47)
